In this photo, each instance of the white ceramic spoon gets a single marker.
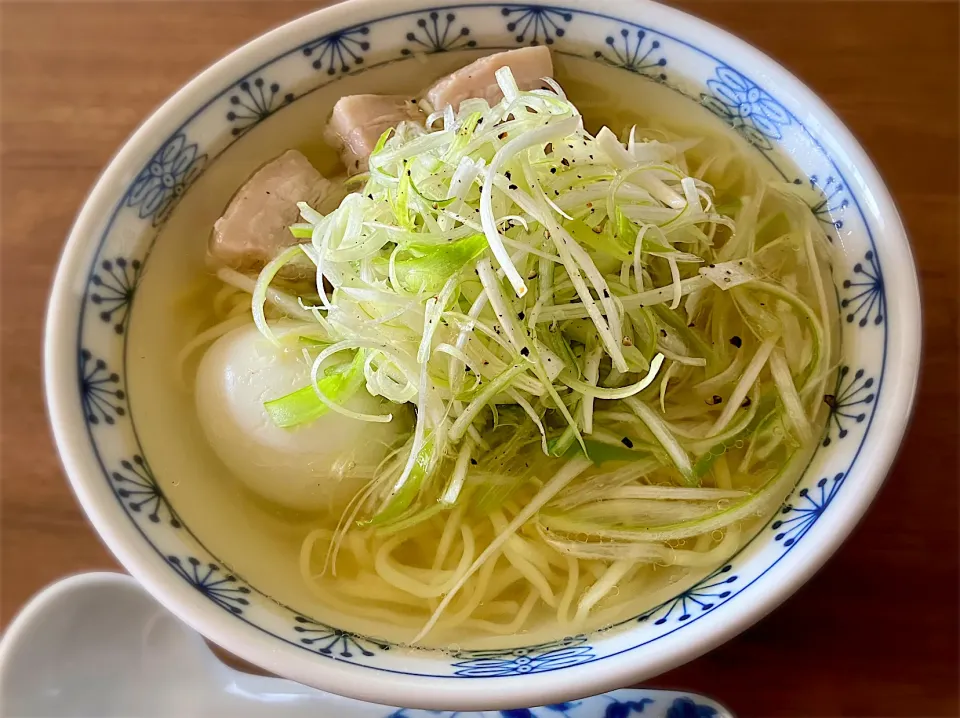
(98, 645)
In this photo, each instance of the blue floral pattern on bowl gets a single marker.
(623, 42)
(865, 298)
(339, 52)
(519, 661)
(114, 283)
(100, 391)
(618, 704)
(537, 24)
(696, 600)
(253, 102)
(439, 33)
(636, 52)
(329, 641)
(159, 186)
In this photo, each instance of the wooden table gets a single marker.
(875, 633)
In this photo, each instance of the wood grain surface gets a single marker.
(875, 633)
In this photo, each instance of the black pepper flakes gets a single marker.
(736, 341)
(525, 352)
(606, 294)
(746, 402)
(626, 442)
(714, 400)
(513, 186)
(553, 170)
(830, 400)
(520, 316)
(502, 135)
(663, 332)
(473, 461)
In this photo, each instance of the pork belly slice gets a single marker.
(358, 121)
(255, 226)
(478, 79)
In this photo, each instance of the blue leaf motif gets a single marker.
(730, 85)
(687, 708)
(180, 161)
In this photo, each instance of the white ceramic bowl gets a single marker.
(128, 439)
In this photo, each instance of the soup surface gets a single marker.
(529, 378)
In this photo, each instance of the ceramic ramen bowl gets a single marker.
(120, 312)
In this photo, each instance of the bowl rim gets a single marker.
(122, 538)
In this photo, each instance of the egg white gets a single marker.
(318, 466)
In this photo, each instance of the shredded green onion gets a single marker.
(520, 283)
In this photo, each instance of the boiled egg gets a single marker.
(313, 467)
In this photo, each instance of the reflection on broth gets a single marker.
(514, 369)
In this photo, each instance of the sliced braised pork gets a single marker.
(255, 226)
(358, 121)
(478, 79)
